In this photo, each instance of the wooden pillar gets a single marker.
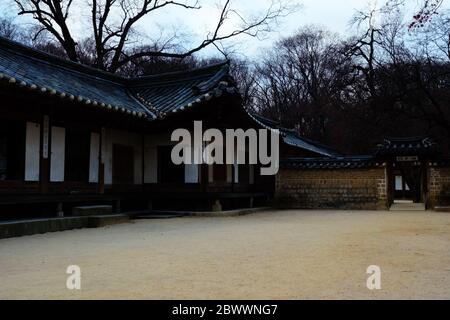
(101, 179)
(143, 163)
(204, 177)
(233, 177)
(59, 210)
(118, 206)
(390, 182)
(424, 182)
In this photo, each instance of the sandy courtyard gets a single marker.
(267, 255)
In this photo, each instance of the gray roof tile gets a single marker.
(292, 138)
(360, 162)
(407, 146)
(151, 96)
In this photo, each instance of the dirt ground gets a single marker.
(267, 255)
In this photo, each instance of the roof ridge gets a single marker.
(334, 159)
(52, 59)
(143, 105)
(46, 57)
(275, 122)
(185, 74)
(204, 68)
(407, 139)
(319, 144)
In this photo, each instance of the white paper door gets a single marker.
(57, 158)
(32, 151)
(191, 173)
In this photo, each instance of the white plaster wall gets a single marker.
(58, 153)
(32, 151)
(123, 138)
(191, 173)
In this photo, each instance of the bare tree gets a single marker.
(113, 41)
(8, 29)
(384, 81)
(402, 77)
(301, 81)
(245, 77)
(11, 30)
(363, 47)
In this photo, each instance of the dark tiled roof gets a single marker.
(292, 138)
(149, 97)
(407, 146)
(361, 162)
(173, 92)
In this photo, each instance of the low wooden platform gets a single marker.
(442, 209)
(48, 198)
(65, 203)
(18, 228)
(228, 213)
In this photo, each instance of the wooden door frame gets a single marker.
(422, 183)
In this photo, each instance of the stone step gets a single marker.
(408, 207)
(92, 210)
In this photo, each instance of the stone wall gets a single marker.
(364, 189)
(439, 186)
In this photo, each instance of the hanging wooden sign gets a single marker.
(408, 159)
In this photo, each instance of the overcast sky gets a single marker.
(332, 14)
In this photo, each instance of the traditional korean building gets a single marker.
(73, 135)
